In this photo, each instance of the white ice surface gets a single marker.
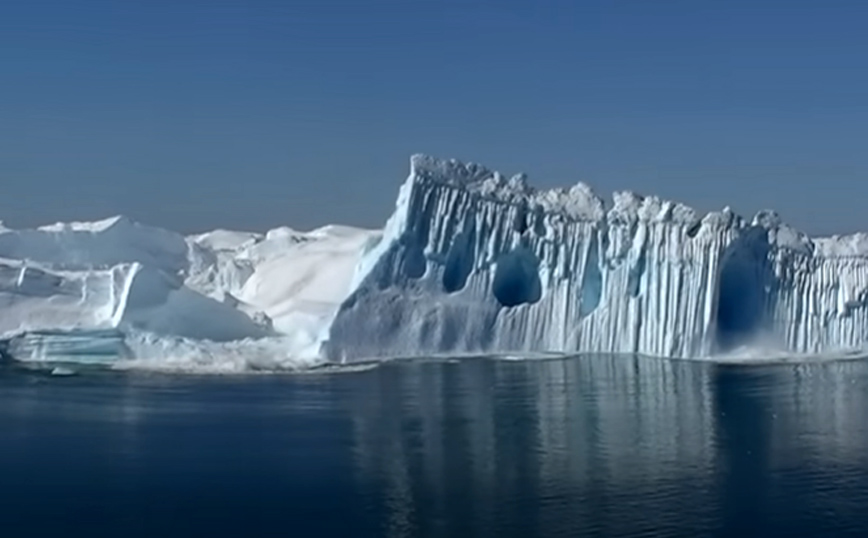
(121, 292)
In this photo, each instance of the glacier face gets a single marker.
(471, 261)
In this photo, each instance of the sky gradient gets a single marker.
(201, 114)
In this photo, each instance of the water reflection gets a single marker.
(610, 446)
(593, 446)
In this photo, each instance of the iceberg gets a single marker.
(470, 262)
(116, 291)
(105, 275)
(474, 262)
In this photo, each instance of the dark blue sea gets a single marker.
(590, 446)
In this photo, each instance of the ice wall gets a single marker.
(473, 262)
(818, 294)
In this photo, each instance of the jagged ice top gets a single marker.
(581, 203)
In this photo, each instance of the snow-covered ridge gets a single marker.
(473, 262)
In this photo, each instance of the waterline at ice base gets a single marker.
(470, 262)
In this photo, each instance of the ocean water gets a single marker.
(587, 446)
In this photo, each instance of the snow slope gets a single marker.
(472, 261)
(298, 280)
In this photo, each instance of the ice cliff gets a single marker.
(471, 261)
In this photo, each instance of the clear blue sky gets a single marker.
(198, 114)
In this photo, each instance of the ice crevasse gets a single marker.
(472, 261)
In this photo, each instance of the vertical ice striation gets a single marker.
(474, 262)
(818, 299)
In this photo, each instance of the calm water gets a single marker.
(597, 446)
